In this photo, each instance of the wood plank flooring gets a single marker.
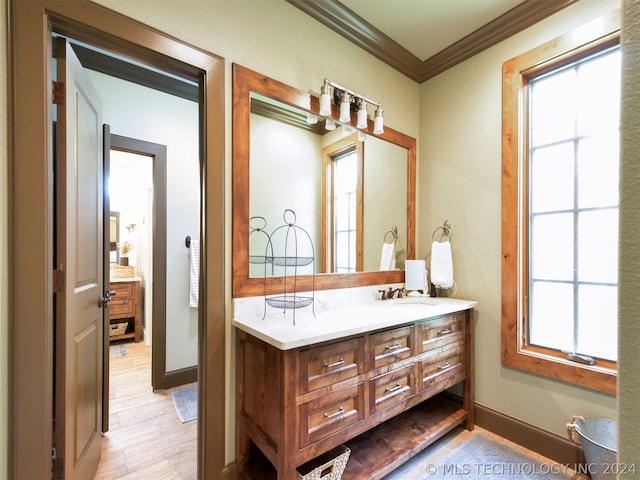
(146, 438)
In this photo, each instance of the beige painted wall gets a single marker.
(460, 160)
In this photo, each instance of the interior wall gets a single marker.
(146, 114)
(460, 155)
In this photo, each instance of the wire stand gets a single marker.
(288, 235)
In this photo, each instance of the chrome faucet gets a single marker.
(388, 294)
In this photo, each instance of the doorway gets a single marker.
(30, 210)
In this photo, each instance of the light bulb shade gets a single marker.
(361, 136)
(378, 122)
(362, 115)
(311, 118)
(345, 108)
(325, 101)
(329, 124)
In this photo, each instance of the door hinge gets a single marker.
(58, 468)
(58, 93)
(58, 281)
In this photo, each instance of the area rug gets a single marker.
(117, 351)
(186, 403)
(482, 458)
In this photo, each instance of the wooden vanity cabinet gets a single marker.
(125, 307)
(379, 393)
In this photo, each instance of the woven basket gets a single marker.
(118, 329)
(120, 271)
(329, 466)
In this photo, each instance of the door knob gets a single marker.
(105, 300)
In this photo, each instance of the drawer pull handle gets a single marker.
(331, 415)
(444, 367)
(331, 365)
(444, 332)
(393, 389)
(393, 347)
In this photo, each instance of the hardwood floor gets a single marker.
(146, 438)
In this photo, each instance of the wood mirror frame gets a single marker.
(245, 82)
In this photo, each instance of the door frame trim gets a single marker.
(31, 219)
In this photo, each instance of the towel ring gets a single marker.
(393, 232)
(446, 230)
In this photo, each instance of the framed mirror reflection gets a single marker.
(354, 195)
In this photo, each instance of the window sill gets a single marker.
(596, 377)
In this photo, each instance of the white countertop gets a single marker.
(277, 328)
(124, 279)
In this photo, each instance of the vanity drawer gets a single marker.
(442, 331)
(441, 366)
(329, 364)
(391, 346)
(122, 303)
(391, 388)
(329, 413)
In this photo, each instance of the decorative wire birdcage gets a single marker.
(290, 260)
(259, 225)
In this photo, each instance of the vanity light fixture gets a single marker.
(311, 118)
(362, 114)
(345, 108)
(378, 122)
(325, 100)
(349, 101)
(329, 124)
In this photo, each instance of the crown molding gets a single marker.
(357, 30)
(514, 21)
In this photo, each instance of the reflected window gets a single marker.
(343, 212)
(345, 184)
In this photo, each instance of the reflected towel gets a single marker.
(386, 258)
(194, 273)
(441, 264)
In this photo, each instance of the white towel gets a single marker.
(194, 273)
(386, 258)
(441, 264)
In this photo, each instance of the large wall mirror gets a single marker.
(282, 162)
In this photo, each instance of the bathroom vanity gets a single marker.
(371, 377)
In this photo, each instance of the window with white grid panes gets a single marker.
(345, 183)
(573, 165)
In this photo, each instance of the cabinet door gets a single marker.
(330, 364)
(391, 346)
(391, 388)
(442, 331)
